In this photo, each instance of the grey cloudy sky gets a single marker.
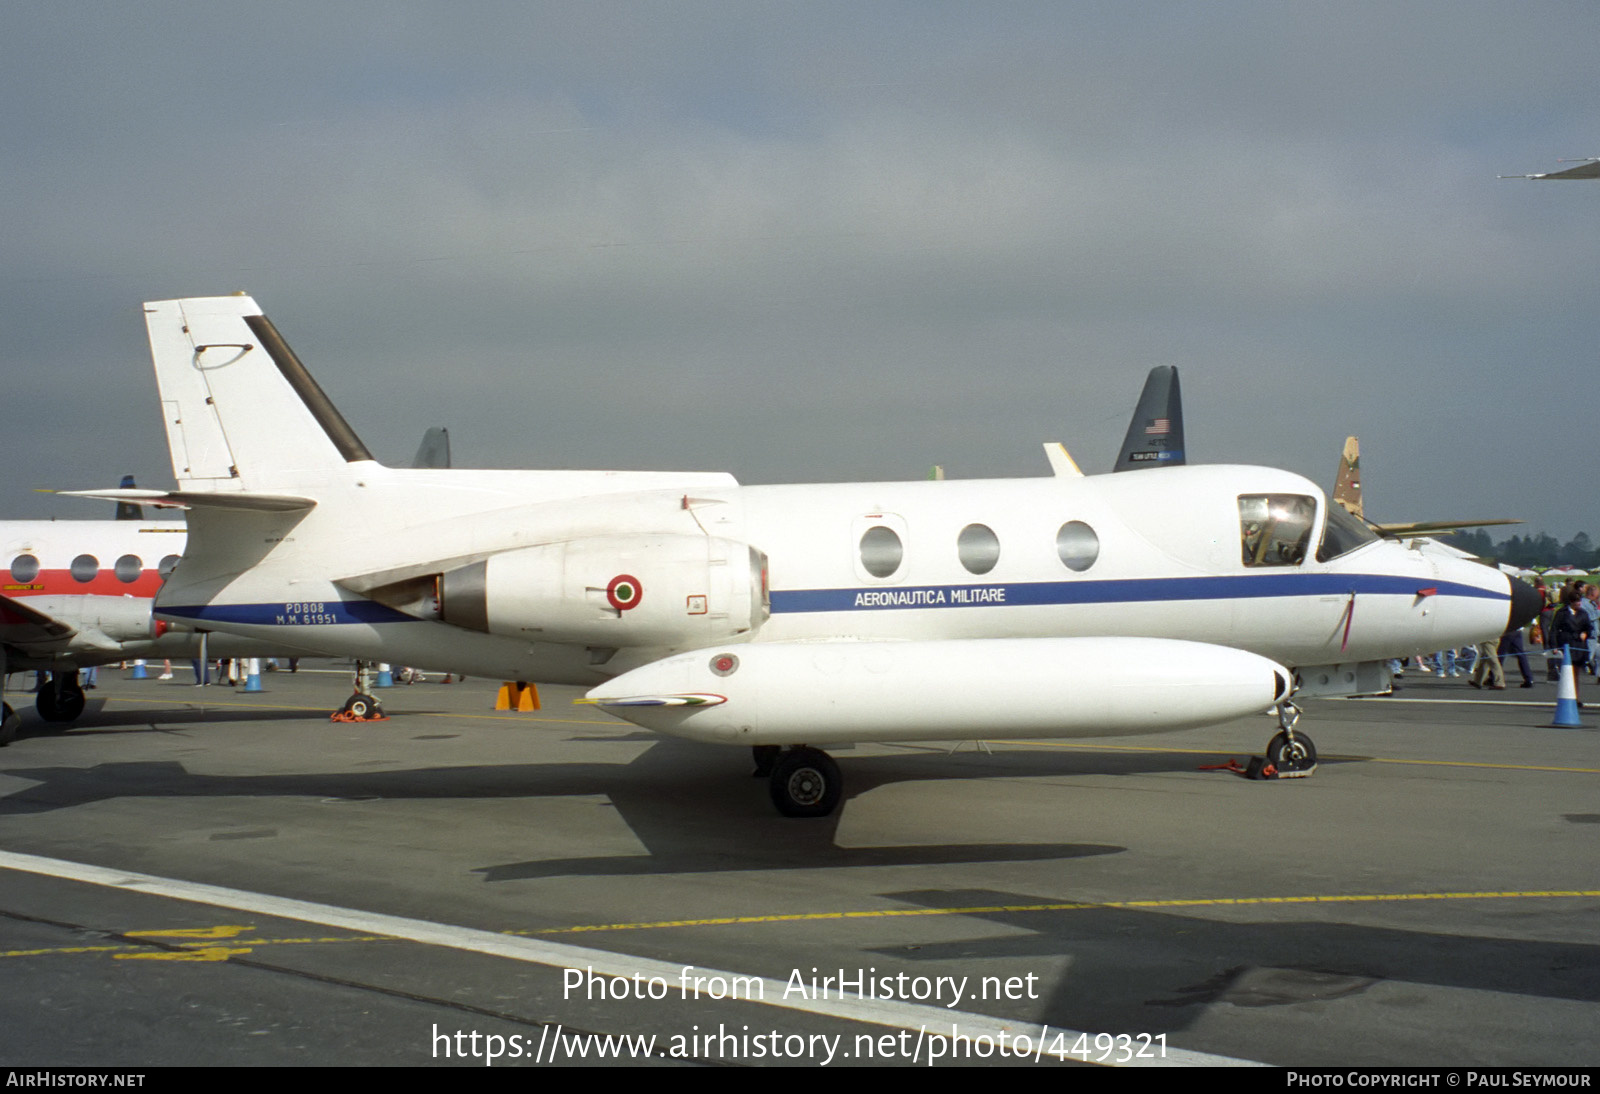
(820, 241)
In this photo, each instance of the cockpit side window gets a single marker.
(1344, 533)
(1275, 529)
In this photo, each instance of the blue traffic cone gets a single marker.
(138, 671)
(252, 679)
(1566, 695)
(385, 677)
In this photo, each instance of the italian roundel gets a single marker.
(624, 592)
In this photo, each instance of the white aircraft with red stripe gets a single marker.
(784, 617)
(78, 593)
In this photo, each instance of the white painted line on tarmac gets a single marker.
(935, 1021)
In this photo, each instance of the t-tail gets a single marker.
(242, 413)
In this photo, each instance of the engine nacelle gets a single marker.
(613, 591)
(102, 622)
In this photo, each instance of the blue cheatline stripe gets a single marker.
(1131, 591)
(331, 613)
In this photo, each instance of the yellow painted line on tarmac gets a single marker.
(205, 952)
(1504, 767)
(208, 933)
(60, 950)
(1069, 906)
(202, 945)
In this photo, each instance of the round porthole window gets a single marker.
(1077, 545)
(84, 567)
(978, 547)
(881, 551)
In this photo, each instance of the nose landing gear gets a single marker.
(1290, 754)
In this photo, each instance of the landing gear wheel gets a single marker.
(360, 707)
(765, 757)
(48, 701)
(805, 782)
(1295, 753)
(60, 701)
(10, 722)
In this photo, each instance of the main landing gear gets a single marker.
(61, 698)
(360, 707)
(1291, 753)
(803, 781)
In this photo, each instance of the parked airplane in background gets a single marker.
(1347, 492)
(78, 593)
(1155, 435)
(783, 617)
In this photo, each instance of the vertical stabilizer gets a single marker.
(1347, 486)
(129, 510)
(1155, 435)
(240, 408)
(434, 451)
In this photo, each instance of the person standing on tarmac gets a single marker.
(1570, 629)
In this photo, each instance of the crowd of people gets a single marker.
(1568, 627)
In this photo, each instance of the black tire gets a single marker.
(361, 706)
(805, 782)
(60, 701)
(48, 701)
(73, 700)
(1298, 754)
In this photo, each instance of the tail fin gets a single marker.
(129, 510)
(1155, 435)
(242, 412)
(434, 450)
(1347, 485)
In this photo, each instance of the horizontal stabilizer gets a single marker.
(1589, 169)
(1418, 528)
(203, 499)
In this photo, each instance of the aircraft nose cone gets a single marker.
(1525, 604)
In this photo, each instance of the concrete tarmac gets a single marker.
(206, 876)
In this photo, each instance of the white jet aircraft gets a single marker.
(785, 617)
